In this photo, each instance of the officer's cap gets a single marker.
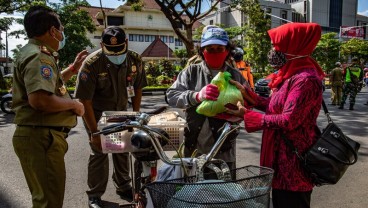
(337, 64)
(113, 39)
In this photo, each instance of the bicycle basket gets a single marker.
(251, 188)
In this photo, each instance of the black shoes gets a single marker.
(94, 202)
(351, 107)
(341, 107)
(126, 195)
(331, 104)
(366, 103)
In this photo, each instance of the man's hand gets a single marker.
(79, 108)
(81, 56)
(95, 141)
(208, 92)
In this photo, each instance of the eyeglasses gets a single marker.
(215, 48)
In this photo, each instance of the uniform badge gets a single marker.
(83, 76)
(62, 90)
(134, 69)
(129, 79)
(113, 40)
(46, 72)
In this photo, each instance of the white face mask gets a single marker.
(61, 42)
(117, 59)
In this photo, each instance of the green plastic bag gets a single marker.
(228, 94)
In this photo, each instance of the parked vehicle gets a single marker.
(261, 87)
(6, 103)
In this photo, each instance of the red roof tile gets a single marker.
(157, 49)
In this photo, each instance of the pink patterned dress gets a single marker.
(291, 110)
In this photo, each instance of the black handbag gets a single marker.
(328, 159)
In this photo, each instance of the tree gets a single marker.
(10, 6)
(184, 14)
(354, 47)
(256, 37)
(76, 24)
(16, 51)
(327, 51)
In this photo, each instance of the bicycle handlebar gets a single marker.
(141, 123)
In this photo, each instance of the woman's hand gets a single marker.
(248, 95)
(239, 112)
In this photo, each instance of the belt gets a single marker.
(56, 128)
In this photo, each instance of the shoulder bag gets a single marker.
(328, 159)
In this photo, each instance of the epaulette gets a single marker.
(44, 50)
(93, 58)
(135, 55)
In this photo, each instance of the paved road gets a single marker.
(350, 192)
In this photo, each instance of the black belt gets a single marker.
(56, 128)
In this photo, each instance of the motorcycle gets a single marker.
(6, 103)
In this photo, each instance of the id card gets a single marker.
(130, 90)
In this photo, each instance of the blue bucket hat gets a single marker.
(213, 36)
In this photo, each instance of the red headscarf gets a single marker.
(298, 39)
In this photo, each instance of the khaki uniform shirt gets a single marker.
(37, 69)
(106, 84)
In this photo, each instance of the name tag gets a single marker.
(130, 90)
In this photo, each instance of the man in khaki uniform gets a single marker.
(45, 112)
(336, 80)
(108, 78)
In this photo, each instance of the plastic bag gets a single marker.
(228, 94)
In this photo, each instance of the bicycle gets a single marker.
(252, 184)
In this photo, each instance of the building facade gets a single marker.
(142, 28)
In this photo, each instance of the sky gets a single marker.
(12, 42)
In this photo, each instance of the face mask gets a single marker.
(276, 59)
(61, 42)
(215, 60)
(117, 59)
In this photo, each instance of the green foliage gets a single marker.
(327, 51)
(10, 6)
(76, 24)
(71, 82)
(256, 37)
(354, 47)
(160, 73)
(16, 51)
(182, 54)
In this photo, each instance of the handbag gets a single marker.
(328, 159)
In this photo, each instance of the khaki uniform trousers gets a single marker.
(336, 94)
(41, 152)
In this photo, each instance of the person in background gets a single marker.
(366, 80)
(353, 76)
(290, 113)
(45, 112)
(193, 87)
(336, 80)
(243, 67)
(108, 78)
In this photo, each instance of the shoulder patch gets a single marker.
(83, 76)
(46, 72)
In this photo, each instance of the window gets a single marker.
(178, 42)
(283, 16)
(97, 37)
(141, 38)
(211, 22)
(114, 20)
(171, 39)
(164, 39)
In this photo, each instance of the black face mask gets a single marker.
(276, 59)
